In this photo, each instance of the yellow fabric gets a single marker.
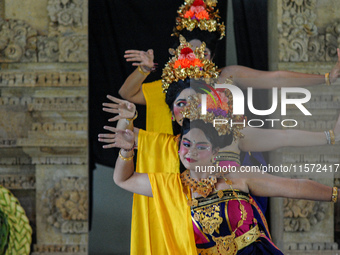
(158, 115)
(173, 213)
(156, 153)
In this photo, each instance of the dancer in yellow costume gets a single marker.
(153, 163)
(231, 227)
(158, 115)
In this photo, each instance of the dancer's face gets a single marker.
(195, 149)
(179, 104)
(197, 43)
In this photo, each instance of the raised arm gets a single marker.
(126, 114)
(257, 139)
(247, 77)
(124, 175)
(268, 185)
(132, 87)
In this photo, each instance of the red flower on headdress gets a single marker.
(198, 3)
(197, 11)
(197, 62)
(202, 15)
(187, 58)
(189, 14)
(186, 51)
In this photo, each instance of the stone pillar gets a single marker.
(43, 124)
(303, 37)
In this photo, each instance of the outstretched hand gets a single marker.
(335, 72)
(123, 139)
(123, 108)
(140, 58)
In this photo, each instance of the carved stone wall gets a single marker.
(305, 35)
(43, 124)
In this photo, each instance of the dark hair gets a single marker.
(210, 38)
(209, 131)
(173, 92)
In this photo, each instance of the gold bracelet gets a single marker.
(335, 194)
(134, 117)
(124, 158)
(142, 71)
(327, 80)
(332, 136)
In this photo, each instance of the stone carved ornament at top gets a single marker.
(301, 215)
(67, 13)
(299, 39)
(18, 41)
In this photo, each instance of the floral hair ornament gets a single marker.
(199, 14)
(219, 113)
(187, 63)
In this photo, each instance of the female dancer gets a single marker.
(221, 214)
(176, 98)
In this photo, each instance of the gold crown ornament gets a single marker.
(219, 112)
(199, 14)
(187, 63)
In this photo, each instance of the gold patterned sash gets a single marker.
(229, 245)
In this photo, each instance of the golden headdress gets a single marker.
(219, 112)
(199, 14)
(188, 64)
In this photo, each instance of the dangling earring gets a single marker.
(172, 118)
(213, 161)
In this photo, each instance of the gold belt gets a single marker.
(228, 245)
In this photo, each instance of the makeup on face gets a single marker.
(195, 149)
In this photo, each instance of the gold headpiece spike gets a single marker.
(172, 52)
(182, 40)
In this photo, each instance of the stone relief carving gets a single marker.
(50, 79)
(300, 215)
(317, 246)
(48, 49)
(41, 248)
(17, 181)
(299, 39)
(66, 205)
(18, 41)
(52, 160)
(67, 13)
(53, 135)
(73, 49)
(2, 9)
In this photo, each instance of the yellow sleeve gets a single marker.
(157, 153)
(158, 115)
(173, 213)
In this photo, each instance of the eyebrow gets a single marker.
(187, 140)
(181, 99)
